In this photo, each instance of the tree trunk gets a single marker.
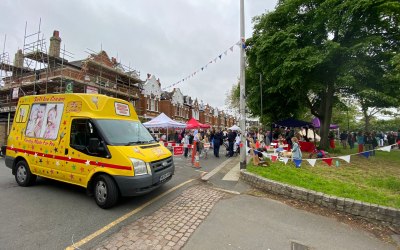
(367, 119)
(326, 116)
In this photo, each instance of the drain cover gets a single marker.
(298, 246)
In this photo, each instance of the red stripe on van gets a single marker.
(64, 158)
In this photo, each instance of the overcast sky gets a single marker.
(169, 39)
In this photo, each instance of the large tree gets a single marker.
(307, 51)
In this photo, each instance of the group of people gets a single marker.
(368, 141)
(206, 140)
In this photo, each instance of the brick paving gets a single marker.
(169, 227)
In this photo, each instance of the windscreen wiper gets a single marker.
(138, 142)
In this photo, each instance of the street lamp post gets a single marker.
(261, 111)
(242, 90)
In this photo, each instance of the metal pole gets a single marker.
(261, 111)
(242, 91)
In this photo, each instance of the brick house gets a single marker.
(95, 74)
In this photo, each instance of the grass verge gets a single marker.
(375, 179)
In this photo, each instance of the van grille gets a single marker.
(157, 166)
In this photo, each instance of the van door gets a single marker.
(82, 151)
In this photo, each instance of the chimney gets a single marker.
(114, 60)
(19, 59)
(55, 44)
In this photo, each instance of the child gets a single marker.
(319, 153)
(206, 146)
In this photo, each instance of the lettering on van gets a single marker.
(49, 99)
(122, 109)
(74, 107)
(34, 141)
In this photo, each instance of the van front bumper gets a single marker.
(138, 185)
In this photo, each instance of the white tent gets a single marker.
(234, 128)
(163, 121)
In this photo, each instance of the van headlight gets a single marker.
(140, 167)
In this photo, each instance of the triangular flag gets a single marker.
(297, 162)
(274, 157)
(346, 158)
(337, 163)
(328, 161)
(387, 148)
(366, 154)
(225, 52)
(231, 48)
(266, 155)
(312, 161)
(220, 56)
(215, 59)
(285, 160)
(202, 68)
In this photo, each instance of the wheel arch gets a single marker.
(14, 166)
(90, 185)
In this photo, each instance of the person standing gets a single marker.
(343, 139)
(217, 142)
(186, 144)
(360, 142)
(296, 152)
(350, 139)
(398, 139)
(231, 141)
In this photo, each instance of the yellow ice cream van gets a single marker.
(89, 140)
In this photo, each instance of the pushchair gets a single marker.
(236, 148)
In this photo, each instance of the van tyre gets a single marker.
(23, 174)
(105, 191)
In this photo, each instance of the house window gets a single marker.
(157, 105)
(153, 105)
(148, 104)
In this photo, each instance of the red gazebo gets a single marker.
(193, 124)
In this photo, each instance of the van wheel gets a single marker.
(105, 191)
(23, 174)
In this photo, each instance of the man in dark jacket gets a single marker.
(217, 142)
(231, 141)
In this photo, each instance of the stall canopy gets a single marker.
(292, 123)
(163, 121)
(317, 124)
(234, 128)
(193, 124)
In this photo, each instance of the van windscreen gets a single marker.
(124, 132)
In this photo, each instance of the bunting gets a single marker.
(240, 43)
(328, 161)
(312, 161)
(297, 162)
(387, 148)
(366, 154)
(274, 157)
(346, 158)
(285, 160)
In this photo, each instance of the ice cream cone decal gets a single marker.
(61, 137)
(95, 100)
